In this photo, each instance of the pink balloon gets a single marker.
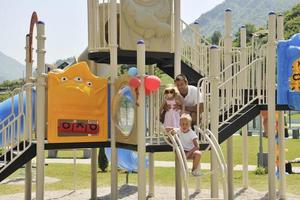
(152, 83)
(134, 82)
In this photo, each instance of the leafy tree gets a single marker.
(250, 29)
(292, 21)
(215, 38)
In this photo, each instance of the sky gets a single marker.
(66, 24)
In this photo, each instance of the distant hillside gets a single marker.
(10, 69)
(243, 12)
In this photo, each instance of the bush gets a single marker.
(261, 171)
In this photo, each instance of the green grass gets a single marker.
(163, 176)
(295, 116)
(292, 147)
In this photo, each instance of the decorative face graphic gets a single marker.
(77, 105)
(295, 77)
(75, 86)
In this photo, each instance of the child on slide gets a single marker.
(172, 115)
(189, 141)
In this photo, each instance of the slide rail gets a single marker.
(14, 133)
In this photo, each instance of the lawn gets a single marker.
(292, 147)
(163, 176)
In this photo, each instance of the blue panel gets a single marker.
(127, 159)
(288, 52)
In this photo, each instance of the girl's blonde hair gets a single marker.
(186, 116)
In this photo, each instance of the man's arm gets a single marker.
(194, 108)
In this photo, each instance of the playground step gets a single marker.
(2, 164)
(238, 121)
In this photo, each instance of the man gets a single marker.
(189, 95)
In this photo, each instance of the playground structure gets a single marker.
(235, 79)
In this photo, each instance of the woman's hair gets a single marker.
(186, 116)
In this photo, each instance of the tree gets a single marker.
(215, 38)
(292, 22)
(250, 29)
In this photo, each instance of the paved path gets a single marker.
(156, 164)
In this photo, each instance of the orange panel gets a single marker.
(77, 106)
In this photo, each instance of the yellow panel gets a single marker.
(295, 77)
(77, 101)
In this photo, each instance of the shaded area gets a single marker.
(124, 191)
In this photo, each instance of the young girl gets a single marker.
(189, 141)
(173, 102)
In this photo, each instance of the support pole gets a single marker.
(228, 61)
(243, 87)
(141, 125)
(114, 66)
(271, 54)
(94, 174)
(151, 175)
(214, 76)
(27, 135)
(177, 70)
(178, 181)
(245, 156)
(177, 38)
(41, 103)
(282, 178)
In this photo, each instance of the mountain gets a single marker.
(10, 69)
(243, 12)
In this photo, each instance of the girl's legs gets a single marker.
(196, 156)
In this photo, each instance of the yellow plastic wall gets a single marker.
(76, 94)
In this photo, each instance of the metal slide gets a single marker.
(174, 141)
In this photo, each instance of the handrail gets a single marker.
(12, 129)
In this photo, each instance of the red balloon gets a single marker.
(147, 92)
(134, 82)
(152, 83)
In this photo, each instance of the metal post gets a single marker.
(141, 125)
(214, 76)
(245, 156)
(41, 126)
(227, 61)
(271, 54)
(94, 174)
(114, 65)
(178, 181)
(177, 38)
(94, 157)
(93, 33)
(244, 129)
(27, 135)
(282, 178)
(177, 70)
(260, 157)
(151, 175)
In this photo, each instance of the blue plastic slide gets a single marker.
(5, 110)
(127, 159)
